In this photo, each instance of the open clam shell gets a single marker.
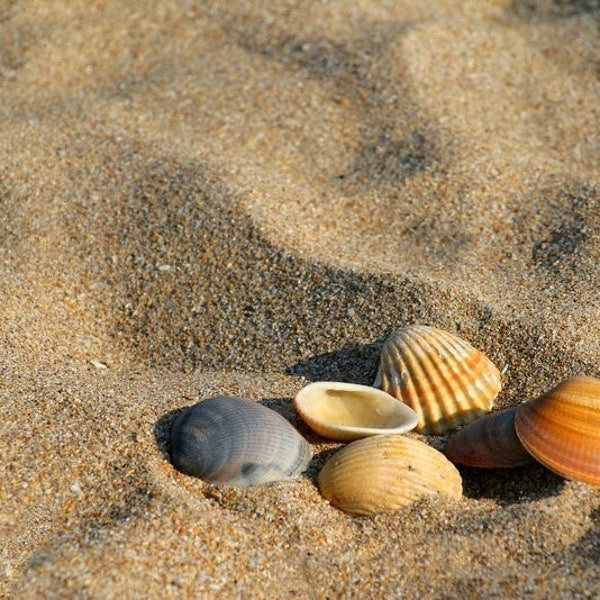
(237, 442)
(490, 442)
(386, 472)
(442, 377)
(561, 428)
(349, 411)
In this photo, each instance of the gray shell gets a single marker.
(237, 442)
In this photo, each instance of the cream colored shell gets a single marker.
(561, 428)
(442, 377)
(385, 472)
(349, 411)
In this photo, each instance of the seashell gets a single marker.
(349, 411)
(385, 472)
(237, 442)
(561, 428)
(490, 442)
(442, 377)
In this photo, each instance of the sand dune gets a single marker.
(236, 198)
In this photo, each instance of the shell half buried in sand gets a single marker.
(237, 442)
(490, 442)
(561, 429)
(349, 411)
(442, 377)
(385, 472)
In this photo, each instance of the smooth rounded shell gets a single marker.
(237, 442)
(490, 442)
(561, 429)
(444, 379)
(386, 472)
(348, 411)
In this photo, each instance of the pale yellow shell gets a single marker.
(385, 472)
(561, 428)
(349, 411)
(442, 377)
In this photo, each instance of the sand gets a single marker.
(204, 198)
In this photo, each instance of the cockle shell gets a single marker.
(442, 377)
(349, 411)
(490, 442)
(561, 428)
(385, 472)
(237, 442)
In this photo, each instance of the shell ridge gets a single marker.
(405, 389)
(468, 373)
(425, 389)
(443, 408)
(436, 408)
(477, 369)
(452, 374)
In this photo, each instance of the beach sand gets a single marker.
(237, 198)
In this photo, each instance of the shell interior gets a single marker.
(347, 411)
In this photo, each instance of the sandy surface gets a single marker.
(239, 197)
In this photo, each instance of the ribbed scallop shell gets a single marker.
(561, 428)
(490, 442)
(444, 379)
(349, 411)
(237, 442)
(385, 472)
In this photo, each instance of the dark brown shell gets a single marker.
(490, 442)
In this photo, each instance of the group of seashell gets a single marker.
(427, 379)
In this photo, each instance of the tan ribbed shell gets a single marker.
(561, 428)
(444, 379)
(386, 472)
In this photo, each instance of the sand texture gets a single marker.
(206, 198)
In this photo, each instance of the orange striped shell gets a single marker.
(444, 379)
(561, 428)
(385, 472)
